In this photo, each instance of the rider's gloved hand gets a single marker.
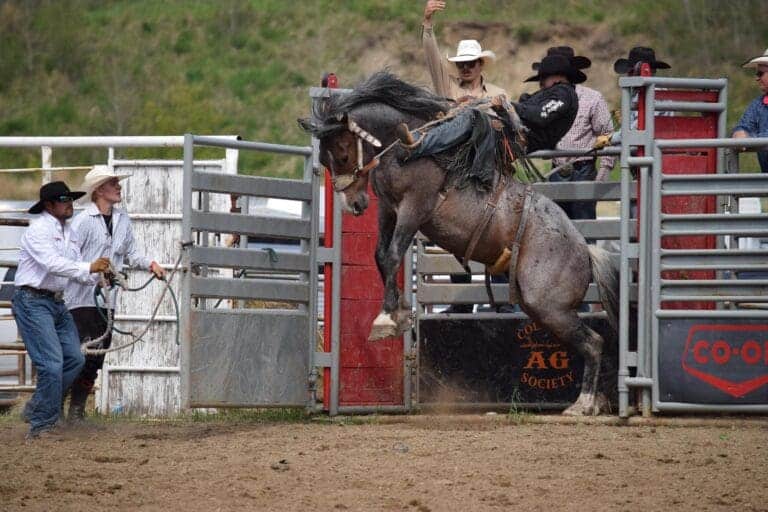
(100, 265)
(602, 141)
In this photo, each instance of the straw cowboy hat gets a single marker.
(469, 50)
(577, 61)
(557, 65)
(639, 54)
(756, 61)
(54, 191)
(97, 176)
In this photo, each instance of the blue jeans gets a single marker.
(583, 170)
(51, 340)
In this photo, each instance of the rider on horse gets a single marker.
(546, 116)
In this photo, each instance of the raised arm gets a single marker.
(437, 66)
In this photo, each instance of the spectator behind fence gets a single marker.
(50, 258)
(592, 120)
(754, 122)
(102, 230)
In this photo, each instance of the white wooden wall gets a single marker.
(144, 377)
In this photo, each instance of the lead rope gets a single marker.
(87, 347)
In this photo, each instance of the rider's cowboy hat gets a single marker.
(469, 50)
(639, 54)
(54, 191)
(557, 65)
(757, 61)
(97, 176)
(577, 61)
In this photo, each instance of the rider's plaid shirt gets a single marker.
(592, 119)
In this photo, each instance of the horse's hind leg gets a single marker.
(567, 327)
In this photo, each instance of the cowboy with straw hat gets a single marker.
(459, 77)
(102, 229)
(754, 122)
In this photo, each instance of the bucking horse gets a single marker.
(495, 219)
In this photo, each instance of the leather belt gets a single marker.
(44, 293)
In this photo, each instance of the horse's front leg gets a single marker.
(395, 236)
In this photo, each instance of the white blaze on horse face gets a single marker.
(384, 320)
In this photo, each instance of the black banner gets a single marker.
(499, 361)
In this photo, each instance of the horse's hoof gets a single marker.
(585, 405)
(382, 332)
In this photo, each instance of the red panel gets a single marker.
(360, 353)
(358, 315)
(371, 386)
(371, 373)
(359, 248)
(678, 95)
(689, 161)
(361, 282)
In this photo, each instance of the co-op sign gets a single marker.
(713, 362)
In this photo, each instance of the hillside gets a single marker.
(144, 67)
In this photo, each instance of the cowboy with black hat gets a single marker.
(48, 259)
(637, 56)
(550, 112)
(593, 120)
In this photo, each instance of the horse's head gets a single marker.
(349, 149)
(342, 151)
(339, 153)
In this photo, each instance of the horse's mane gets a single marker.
(475, 162)
(381, 87)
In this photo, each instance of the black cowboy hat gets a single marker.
(577, 61)
(54, 191)
(557, 65)
(639, 54)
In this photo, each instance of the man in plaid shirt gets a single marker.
(592, 119)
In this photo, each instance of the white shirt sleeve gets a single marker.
(40, 247)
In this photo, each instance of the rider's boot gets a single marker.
(78, 398)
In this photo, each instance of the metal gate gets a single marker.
(249, 315)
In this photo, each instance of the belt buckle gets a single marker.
(58, 296)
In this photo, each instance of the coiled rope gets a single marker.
(89, 347)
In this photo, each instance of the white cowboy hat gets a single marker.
(760, 59)
(96, 177)
(469, 49)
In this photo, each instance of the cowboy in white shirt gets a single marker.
(49, 259)
(102, 230)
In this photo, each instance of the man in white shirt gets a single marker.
(48, 260)
(102, 230)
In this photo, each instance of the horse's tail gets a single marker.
(606, 276)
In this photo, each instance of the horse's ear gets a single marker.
(307, 124)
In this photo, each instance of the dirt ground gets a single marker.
(419, 463)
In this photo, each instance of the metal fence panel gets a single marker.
(261, 353)
(248, 358)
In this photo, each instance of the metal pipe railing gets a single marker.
(171, 141)
(751, 143)
(251, 146)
